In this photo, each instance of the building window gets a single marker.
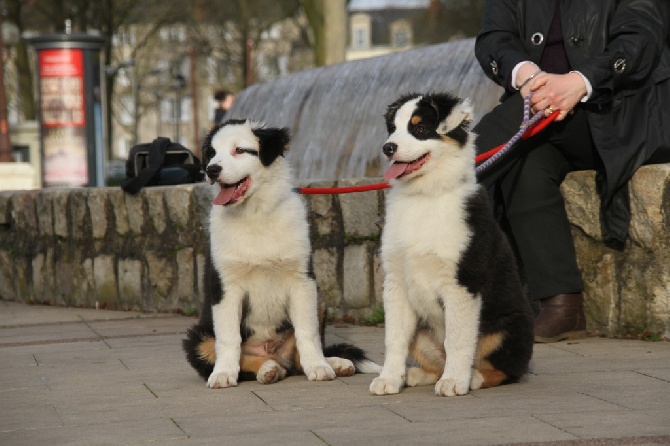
(360, 31)
(401, 34)
(170, 111)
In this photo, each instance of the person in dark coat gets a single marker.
(604, 65)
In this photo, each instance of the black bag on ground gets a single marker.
(160, 163)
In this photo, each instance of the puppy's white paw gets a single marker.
(386, 386)
(418, 377)
(451, 387)
(270, 372)
(321, 372)
(221, 380)
(341, 366)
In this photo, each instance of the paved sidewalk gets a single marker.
(91, 377)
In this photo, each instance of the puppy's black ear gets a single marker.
(273, 143)
(455, 116)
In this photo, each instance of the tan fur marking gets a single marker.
(486, 345)
(416, 119)
(252, 364)
(428, 354)
(206, 350)
(492, 378)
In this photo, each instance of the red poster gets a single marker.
(63, 112)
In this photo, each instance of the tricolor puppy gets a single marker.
(453, 299)
(262, 317)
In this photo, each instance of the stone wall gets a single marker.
(627, 292)
(101, 247)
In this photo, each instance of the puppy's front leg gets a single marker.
(461, 315)
(303, 314)
(400, 325)
(227, 316)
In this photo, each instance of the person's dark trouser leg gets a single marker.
(535, 211)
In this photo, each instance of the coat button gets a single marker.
(494, 67)
(619, 66)
(537, 39)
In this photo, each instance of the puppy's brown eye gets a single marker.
(239, 150)
(420, 128)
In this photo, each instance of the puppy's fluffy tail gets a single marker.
(199, 348)
(353, 354)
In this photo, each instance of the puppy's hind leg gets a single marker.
(430, 357)
(341, 366)
(270, 372)
(416, 376)
(486, 374)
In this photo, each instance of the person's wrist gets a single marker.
(529, 79)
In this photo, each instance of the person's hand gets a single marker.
(553, 92)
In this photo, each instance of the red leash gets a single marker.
(342, 190)
(530, 132)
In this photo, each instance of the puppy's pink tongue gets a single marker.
(225, 195)
(395, 170)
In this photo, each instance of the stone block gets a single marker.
(326, 270)
(85, 284)
(162, 278)
(153, 196)
(360, 212)
(135, 212)
(203, 204)
(6, 275)
(79, 214)
(131, 273)
(44, 209)
(117, 199)
(38, 278)
(649, 195)
(5, 214)
(626, 291)
(60, 199)
(583, 211)
(104, 278)
(23, 212)
(178, 205)
(200, 280)
(323, 216)
(65, 278)
(356, 276)
(97, 207)
(185, 298)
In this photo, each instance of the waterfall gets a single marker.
(336, 113)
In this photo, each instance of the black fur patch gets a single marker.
(443, 105)
(487, 268)
(393, 109)
(273, 143)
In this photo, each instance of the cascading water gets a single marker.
(336, 113)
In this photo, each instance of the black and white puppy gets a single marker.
(452, 295)
(262, 317)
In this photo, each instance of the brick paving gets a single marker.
(72, 376)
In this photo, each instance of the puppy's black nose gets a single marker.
(390, 149)
(213, 171)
